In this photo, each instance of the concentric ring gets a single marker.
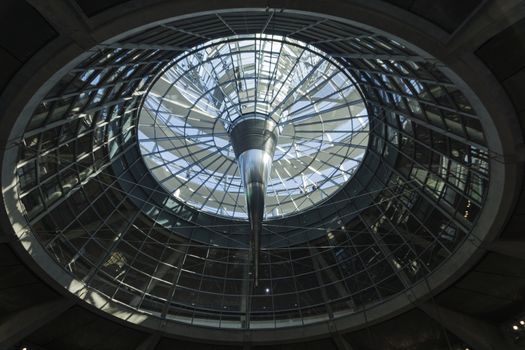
(85, 205)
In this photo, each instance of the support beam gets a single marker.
(141, 46)
(68, 19)
(385, 57)
(150, 343)
(515, 249)
(20, 325)
(474, 332)
(246, 292)
(490, 18)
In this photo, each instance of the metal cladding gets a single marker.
(253, 138)
(254, 131)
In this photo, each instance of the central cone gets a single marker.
(253, 137)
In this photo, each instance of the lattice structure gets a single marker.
(387, 220)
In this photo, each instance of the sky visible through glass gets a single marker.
(321, 119)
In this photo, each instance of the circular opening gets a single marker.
(186, 121)
(87, 208)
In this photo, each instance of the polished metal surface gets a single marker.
(255, 166)
(192, 113)
(253, 139)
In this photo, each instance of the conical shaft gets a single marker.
(254, 139)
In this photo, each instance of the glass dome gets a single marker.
(125, 173)
(320, 117)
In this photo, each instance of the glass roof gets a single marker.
(95, 214)
(321, 119)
